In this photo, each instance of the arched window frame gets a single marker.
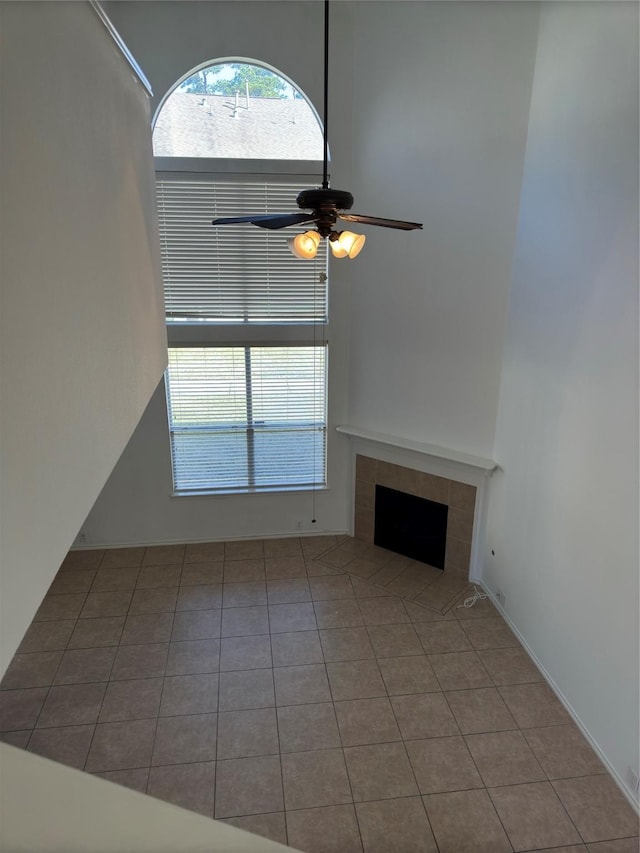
(301, 174)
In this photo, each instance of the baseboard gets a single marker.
(93, 546)
(635, 804)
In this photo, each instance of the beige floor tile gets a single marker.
(562, 751)
(196, 625)
(419, 613)
(20, 739)
(493, 633)
(250, 549)
(135, 699)
(189, 694)
(93, 633)
(306, 727)
(385, 610)
(510, 666)
(147, 628)
(344, 613)
(285, 618)
(250, 569)
(245, 621)
(314, 779)
(67, 581)
(270, 826)
(147, 661)
(181, 740)
(358, 679)
(460, 670)
(72, 705)
(395, 640)
(246, 733)
(19, 709)
(106, 604)
(395, 826)
(135, 779)
(245, 653)
(332, 829)
(413, 674)
(162, 555)
(107, 580)
(205, 597)
(301, 685)
(55, 607)
(597, 807)
(244, 594)
(36, 669)
(83, 665)
(156, 577)
(424, 715)
(365, 590)
(203, 552)
(363, 567)
(466, 822)
(533, 816)
(190, 786)
(247, 786)
(285, 568)
(297, 648)
(246, 689)
(284, 547)
(364, 721)
(154, 601)
(443, 764)
(68, 745)
(504, 758)
(445, 636)
(288, 591)
(121, 746)
(202, 574)
(190, 657)
(343, 644)
(480, 710)
(332, 587)
(620, 845)
(534, 705)
(47, 636)
(86, 559)
(379, 772)
(115, 558)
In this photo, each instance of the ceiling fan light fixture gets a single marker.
(305, 245)
(347, 244)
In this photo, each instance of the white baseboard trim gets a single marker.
(635, 804)
(307, 534)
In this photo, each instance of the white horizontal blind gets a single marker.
(235, 273)
(245, 418)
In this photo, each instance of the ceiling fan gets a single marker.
(323, 205)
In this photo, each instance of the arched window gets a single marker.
(246, 383)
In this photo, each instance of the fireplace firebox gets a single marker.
(410, 525)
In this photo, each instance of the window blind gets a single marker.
(244, 418)
(235, 273)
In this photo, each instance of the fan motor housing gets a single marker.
(324, 200)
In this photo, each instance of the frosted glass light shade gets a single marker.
(305, 245)
(347, 244)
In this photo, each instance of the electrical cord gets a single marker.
(478, 595)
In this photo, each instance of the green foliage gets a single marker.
(262, 82)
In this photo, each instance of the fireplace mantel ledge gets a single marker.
(477, 462)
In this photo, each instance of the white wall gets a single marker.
(564, 511)
(168, 39)
(81, 338)
(441, 103)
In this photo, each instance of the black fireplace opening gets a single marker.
(412, 526)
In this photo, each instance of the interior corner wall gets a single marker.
(441, 105)
(169, 39)
(563, 515)
(82, 340)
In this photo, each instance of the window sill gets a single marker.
(276, 490)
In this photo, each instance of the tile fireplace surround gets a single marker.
(425, 585)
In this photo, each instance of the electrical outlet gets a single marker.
(633, 779)
(500, 598)
(82, 538)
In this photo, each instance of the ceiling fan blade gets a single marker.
(376, 220)
(266, 220)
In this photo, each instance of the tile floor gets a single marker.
(251, 683)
